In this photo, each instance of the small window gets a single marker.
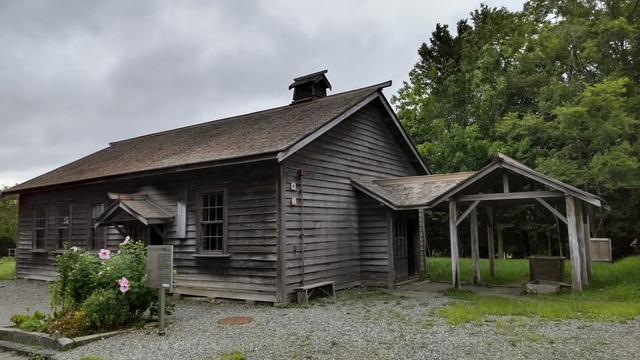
(98, 235)
(63, 227)
(212, 222)
(40, 228)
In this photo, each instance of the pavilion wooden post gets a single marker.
(574, 249)
(453, 234)
(475, 247)
(586, 213)
(490, 242)
(581, 242)
(500, 243)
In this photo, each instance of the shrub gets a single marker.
(76, 269)
(72, 324)
(110, 289)
(18, 319)
(35, 322)
(106, 309)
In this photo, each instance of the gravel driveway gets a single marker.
(352, 326)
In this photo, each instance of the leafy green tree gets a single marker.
(555, 85)
(8, 221)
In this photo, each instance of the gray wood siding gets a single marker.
(374, 242)
(359, 146)
(251, 221)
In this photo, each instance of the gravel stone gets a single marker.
(380, 327)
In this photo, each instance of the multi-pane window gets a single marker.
(98, 235)
(212, 222)
(63, 222)
(40, 228)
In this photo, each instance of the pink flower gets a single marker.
(126, 240)
(104, 254)
(124, 284)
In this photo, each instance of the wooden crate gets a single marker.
(546, 268)
(600, 249)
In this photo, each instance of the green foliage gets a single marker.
(76, 278)
(19, 319)
(105, 293)
(7, 268)
(106, 309)
(36, 322)
(556, 86)
(8, 221)
(508, 271)
(71, 324)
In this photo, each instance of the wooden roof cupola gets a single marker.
(309, 87)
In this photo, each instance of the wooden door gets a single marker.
(400, 248)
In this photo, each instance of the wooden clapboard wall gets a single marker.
(335, 246)
(249, 273)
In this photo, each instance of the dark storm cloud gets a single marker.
(76, 75)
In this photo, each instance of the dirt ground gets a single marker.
(427, 289)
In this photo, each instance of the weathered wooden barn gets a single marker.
(255, 205)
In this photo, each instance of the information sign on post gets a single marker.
(160, 275)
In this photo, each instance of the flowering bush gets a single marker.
(108, 290)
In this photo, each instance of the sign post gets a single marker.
(160, 275)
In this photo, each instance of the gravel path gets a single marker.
(379, 326)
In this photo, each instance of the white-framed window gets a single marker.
(212, 221)
(63, 226)
(40, 228)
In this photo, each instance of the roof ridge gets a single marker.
(333, 96)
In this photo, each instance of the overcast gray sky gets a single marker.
(76, 75)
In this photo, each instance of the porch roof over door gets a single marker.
(128, 207)
(406, 193)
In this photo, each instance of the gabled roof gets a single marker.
(134, 208)
(409, 192)
(431, 190)
(269, 134)
(503, 163)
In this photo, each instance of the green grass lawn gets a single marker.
(613, 294)
(7, 268)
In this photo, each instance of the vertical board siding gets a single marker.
(345, 237)
(251, 215)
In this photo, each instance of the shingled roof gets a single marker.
(411, 192)
(266, 134)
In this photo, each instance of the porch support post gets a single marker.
(574, 249)
(500, 243)
(586, 213)
(581, 242)
(490, 242)
(453, 236)
(475, 247)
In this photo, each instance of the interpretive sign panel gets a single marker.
(160, 266)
